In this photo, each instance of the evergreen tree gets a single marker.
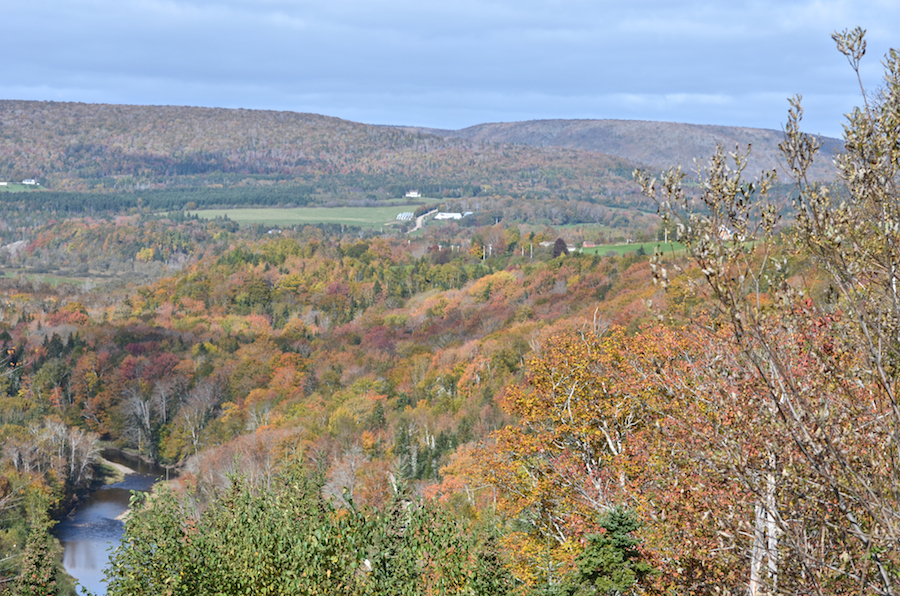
(611, 562)
(38, 577)
(560, 248)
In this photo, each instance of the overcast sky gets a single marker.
(452, 63)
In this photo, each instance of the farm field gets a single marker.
(13, 187)
(621, 249)
(48, 278)
(367, 217)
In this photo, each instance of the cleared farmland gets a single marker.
(367, 217)
(621, 249)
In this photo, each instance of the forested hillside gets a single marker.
(106, 148)
(475, 408)
(377, 359)
(658, 145)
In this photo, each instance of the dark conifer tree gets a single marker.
(560, 248)
(38, 577)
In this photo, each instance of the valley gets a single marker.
(575, 386)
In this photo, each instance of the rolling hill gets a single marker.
(228, 157)
(116, 148)
(657, 145)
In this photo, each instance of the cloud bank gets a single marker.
(451, 65)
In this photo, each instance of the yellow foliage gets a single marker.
(482, 289)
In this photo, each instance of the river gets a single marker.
(95, 527)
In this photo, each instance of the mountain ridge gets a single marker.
(110, 147)
(655, 144)
(114, 148)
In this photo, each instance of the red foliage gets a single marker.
(160, 366)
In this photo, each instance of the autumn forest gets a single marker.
(489, 405)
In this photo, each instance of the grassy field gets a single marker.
(621, 249)
(47, 278)
(12, 187)
(366, 217)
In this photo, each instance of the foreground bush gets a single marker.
(292, 540)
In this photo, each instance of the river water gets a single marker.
(94, 528)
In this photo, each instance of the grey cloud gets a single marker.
(450, 64)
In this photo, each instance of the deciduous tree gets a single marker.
(813, 315)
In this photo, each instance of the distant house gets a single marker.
(445, 215)
(29, 182)
(413, 194)
(4, 183)
(589, 245)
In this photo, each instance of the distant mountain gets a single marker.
(301, 158)
(116, 148)
(658, 145)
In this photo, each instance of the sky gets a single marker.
(453, 63)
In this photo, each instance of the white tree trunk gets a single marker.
(765, 539)
(757, 553)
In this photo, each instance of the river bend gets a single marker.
(95, 527)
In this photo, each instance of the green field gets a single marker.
(48, 278)
(12, 187)
(621, 249)
(366, 217)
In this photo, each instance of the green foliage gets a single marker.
(611, 562)
(289, 539)
(365, 217)
(38, 575)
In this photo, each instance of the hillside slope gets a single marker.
(657, 144)
(96, 147)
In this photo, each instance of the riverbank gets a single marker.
(110, 472)
(94, 527)
(106, 473)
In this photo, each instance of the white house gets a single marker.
(445, 215)
(4, 183)
(29, 182)
(413, 194)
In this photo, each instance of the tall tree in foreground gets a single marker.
(614, 422)
(610, 563)
(38, 576)
(815, 316)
